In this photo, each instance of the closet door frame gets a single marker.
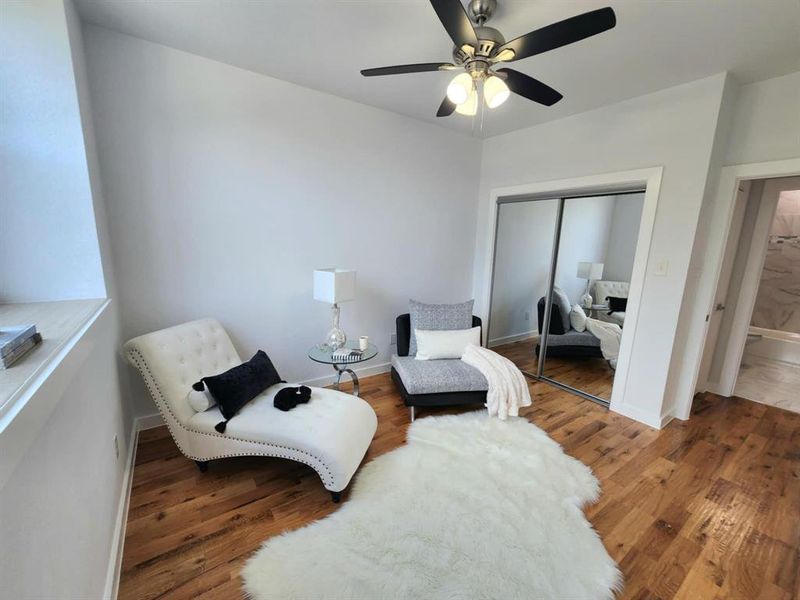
(647, 180)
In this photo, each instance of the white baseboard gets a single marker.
(665, 419)
(517, 337)
(121, 522)
(149, 421)
(643, 416)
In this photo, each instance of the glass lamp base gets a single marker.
(336, 338)
(587, 300)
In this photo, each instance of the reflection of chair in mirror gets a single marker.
(566, 343)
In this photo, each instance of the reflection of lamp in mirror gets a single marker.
(334, 286)
(589, 271)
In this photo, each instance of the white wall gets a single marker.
(60, 503)
(226, 188)
(62, 481)
(766, 121)
(674, 128)
(48, 242)
(622, 237)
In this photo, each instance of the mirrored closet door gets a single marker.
(524, 242)
(561, 278)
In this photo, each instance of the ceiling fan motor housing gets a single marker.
(489, 39)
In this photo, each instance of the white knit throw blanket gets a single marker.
(609, 335)
(508, 389)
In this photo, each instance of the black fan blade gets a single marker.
(562, 33)
(446, 108)
(401, 69)
(530, 88)
(455, 20)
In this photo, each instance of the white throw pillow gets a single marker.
(432, 345)
(200, 401)
(577, 318)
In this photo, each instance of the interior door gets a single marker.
(715, 318)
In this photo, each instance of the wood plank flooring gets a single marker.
(706, 508)
(591, 375)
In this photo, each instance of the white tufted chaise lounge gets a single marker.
(618, 289)
(330, 434)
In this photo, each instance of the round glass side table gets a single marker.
(596, 309)
(323, 352)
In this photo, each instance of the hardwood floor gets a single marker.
(706, 508)
(592, 375)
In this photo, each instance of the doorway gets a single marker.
(561, 280)
(754, 332)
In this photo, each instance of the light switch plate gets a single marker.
(661, 267)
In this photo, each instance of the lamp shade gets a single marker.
(590, 270)
(334, 285)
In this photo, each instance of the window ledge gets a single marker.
(61, 325)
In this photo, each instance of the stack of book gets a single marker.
(16, 342)
(346, 355)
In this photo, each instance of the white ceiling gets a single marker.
(322, 44)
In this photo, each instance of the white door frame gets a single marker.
(729, 180)
(650, 180)
(734, 350)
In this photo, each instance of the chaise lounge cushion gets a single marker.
(329, 427)
(438, 376)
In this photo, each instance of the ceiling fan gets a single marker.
(478, 49)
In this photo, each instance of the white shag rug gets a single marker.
(471, 507)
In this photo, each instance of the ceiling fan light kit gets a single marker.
(470, 106)
(479, 48)
(460, 88)
(495, 91)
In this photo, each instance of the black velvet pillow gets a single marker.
(237, 386)
(616, 304)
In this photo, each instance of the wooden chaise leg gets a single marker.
(336, 496)
(202, 465)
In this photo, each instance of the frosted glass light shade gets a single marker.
(495, 91)
(470, 107)
(460, 88)
(590, 270)
(334, 285)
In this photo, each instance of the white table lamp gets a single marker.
(334, 286)
(589, 271)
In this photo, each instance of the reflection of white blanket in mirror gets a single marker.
(609, 335)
